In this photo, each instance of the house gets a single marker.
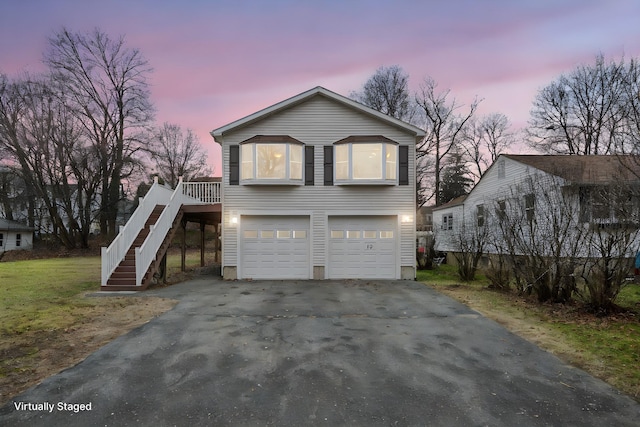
(535, 193)
(318, 186)
(15, 236)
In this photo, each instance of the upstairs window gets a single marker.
(364, 159)
(271, 159)
(480, 215)
(530, 206)
(447, 222)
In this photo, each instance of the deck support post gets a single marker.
(202, 226)
(183, 249)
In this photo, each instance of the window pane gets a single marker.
(386, 234)
(246, 153)
(391, 157)
(251, 234)
(295, 161)
(271, 160)
(353, 234)
(337, 234)
(367, 161)
(299, 234)
(283, 234)
(342, 161)
(266, 234)
(369, 234)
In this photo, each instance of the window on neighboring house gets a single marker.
(600, 208)
(501, 169)
(1, 239)
(271, 159)
(480, 215)
(447, 222)
(606, 205)
(529, 206)
(502, 209)
(18, 240)
(366, 159)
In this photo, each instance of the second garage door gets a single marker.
(362, 247)
(275, 247)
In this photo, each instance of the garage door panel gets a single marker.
(275, 247)
(362, 247)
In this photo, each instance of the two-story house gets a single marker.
(318, 186)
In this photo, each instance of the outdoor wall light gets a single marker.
(234, 218)
(407, 219)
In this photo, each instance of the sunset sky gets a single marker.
(217, 61)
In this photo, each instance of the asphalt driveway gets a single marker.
(320, 353)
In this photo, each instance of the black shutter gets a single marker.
(234, 164)
(403, 153)
(308, 165)
(328, 165)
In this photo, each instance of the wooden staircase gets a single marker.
(124, 276)
(135, 255)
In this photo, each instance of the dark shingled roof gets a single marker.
(7, 225)
(585, 169)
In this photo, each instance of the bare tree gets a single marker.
(444, 128)
(542, 235)
(177, 153)
(485, 139)
(581, 112)
(105, 84)
(41, 137)
(471, 241)
(610, 213)
(387, 91)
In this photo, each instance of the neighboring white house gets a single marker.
(15, 236)
(537, 184)
(318, 186)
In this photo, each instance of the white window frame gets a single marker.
(388, 162)
(447, 221)
(249, 164)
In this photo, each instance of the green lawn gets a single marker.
(47, 294)
(41, 294)
(606, 347)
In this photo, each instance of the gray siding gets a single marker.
(319, 121)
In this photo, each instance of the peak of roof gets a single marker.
(592, 169)
(301, 97)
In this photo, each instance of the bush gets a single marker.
(499, 273)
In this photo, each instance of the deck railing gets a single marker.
(206, 192)
(115, 253)
(187, 193)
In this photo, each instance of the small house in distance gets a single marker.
(14, 236)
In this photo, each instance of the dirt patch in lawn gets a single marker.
(29, 358)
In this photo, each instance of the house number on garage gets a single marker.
(369, 247)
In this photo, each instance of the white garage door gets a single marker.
(274, 247)
(362, 247)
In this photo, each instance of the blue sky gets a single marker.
(217, 61)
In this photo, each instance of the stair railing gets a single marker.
(115, 253)
(147, 252)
